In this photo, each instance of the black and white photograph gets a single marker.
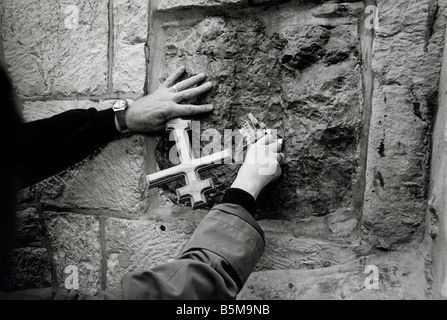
(241, 151)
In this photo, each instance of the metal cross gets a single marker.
(189, 167)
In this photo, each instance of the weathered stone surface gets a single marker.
(143, 244)
(26, 196)
(95, 183)
(404, 99)
(226, 41)
(265, 1)
(287, 252)
(401, 277)
(302, 80)
(330, 10)
(437, 216)
(28, 227)
(297, 68)
(75, 242)
(169, 5)
(130, 33)
(56, 47)
(338, 226)
(323, 120)
(30, 269)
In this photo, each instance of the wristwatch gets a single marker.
(120, 113)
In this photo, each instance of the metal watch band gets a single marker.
(121, 118)
(120, 108)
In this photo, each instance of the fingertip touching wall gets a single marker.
(353, 94)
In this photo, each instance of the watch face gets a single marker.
(119, 105)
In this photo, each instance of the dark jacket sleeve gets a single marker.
(52, 145)
(215, 263)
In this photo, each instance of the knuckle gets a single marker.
(182, 96)
(176, 98)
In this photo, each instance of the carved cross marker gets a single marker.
(189, 167)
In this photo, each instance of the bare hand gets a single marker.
(150, 113)
(261, 165)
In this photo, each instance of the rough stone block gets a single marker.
(286, 252)
(401, 276)
(406, 67)
(330, 10)
(396, 182)
(28, 227)
(169, 5)
(112, 179)
(142, 244)
(303, 80)
(30, 269)
(437, 216)
(96, 184)
(26, 196)
(323, 112)
(265, 1)
(56, 47)
(130, 35)
(75, 243)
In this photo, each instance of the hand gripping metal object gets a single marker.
(189, 167)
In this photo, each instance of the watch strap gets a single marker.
(121, 118)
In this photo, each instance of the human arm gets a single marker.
(223, 250)
(49, 146)
(220, 255)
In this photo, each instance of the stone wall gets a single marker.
(436, 219)
(355, 104)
